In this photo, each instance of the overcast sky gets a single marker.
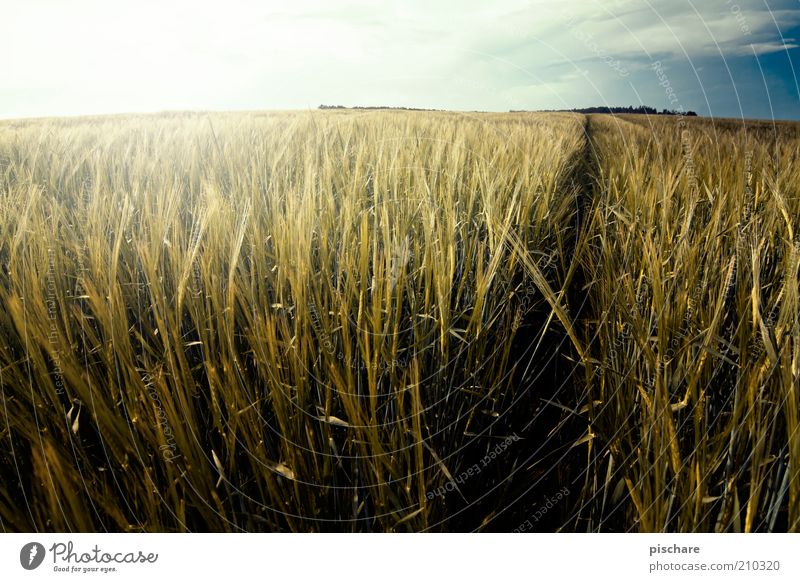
(65, 57)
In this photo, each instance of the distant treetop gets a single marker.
(642, 109)
(374, 107)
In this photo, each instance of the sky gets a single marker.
(726, 58)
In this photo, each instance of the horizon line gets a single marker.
(409, 109)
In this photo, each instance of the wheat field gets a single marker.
(399, 321)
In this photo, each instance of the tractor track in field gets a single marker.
(549, 379)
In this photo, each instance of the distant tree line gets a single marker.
(375, 107)
(641, 109)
